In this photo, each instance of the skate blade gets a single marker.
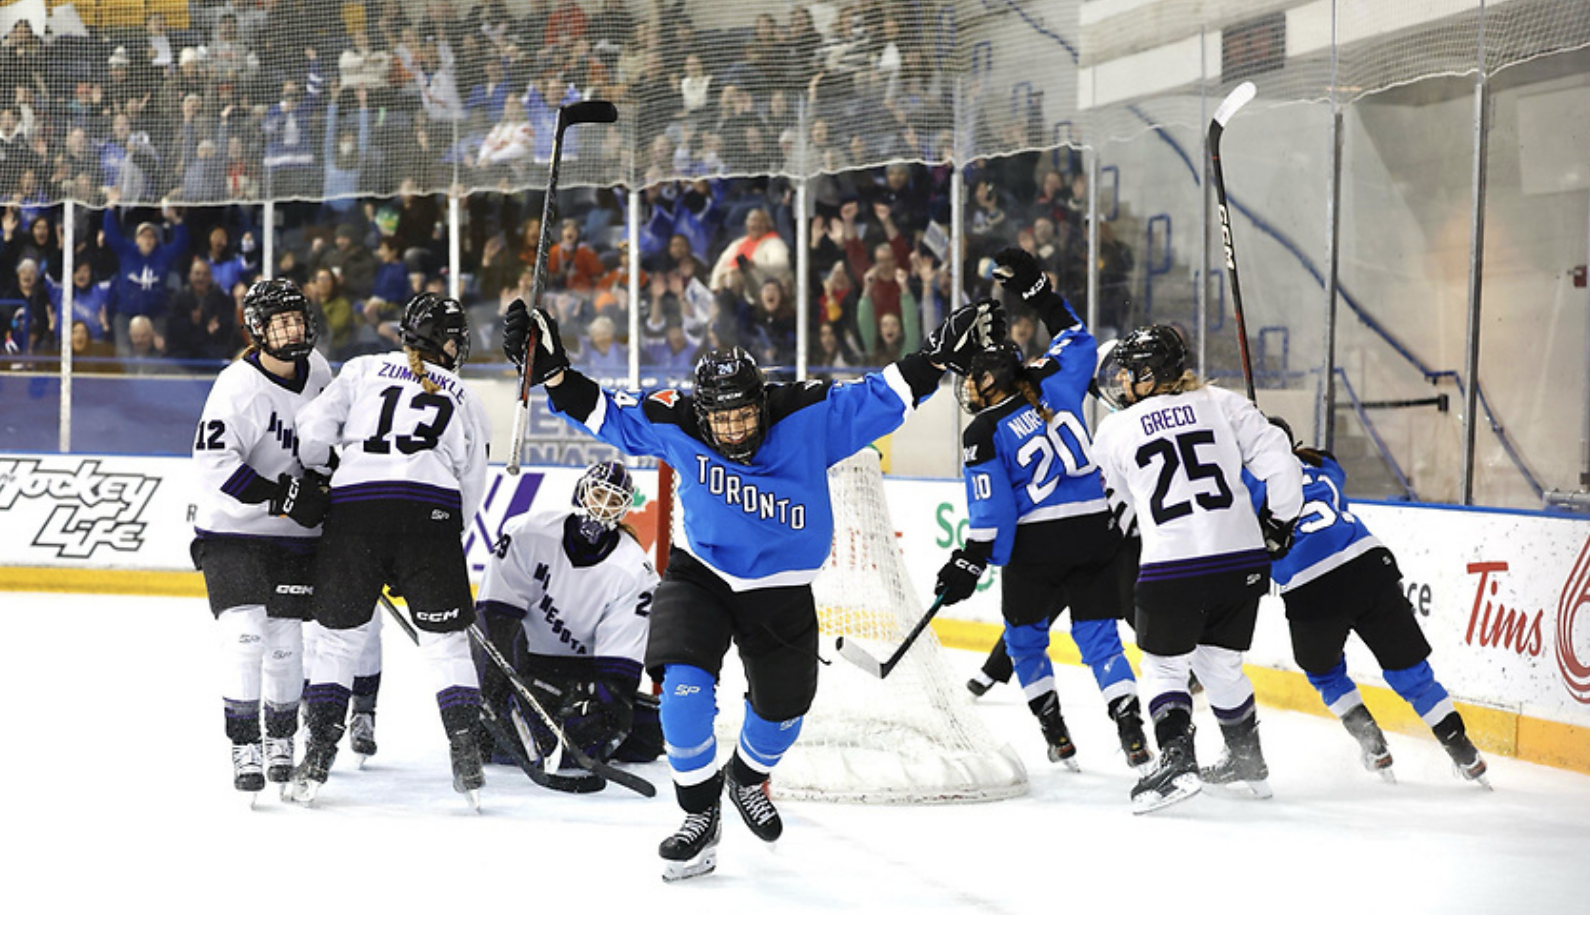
(1242, 790)
(302, 791)
(363, 758)
(1387, 775)
(704, 864)
(473, 797)
(1186, 786)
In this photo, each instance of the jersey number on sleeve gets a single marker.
(1183, 453)
(426, 434)
(212, 440)
(1061, 440)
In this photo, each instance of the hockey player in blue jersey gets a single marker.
(1036, 507)
(753, 461)
(1337, 579)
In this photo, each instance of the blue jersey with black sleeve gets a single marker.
(1021, 469)
(767, 522)
(1327, 535)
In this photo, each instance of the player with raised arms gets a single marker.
(753, 464)
(258, 523)
(567, 597)
(1175, 453)
(409, 441)
(1036, 507)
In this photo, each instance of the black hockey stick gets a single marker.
(595, 766)
(1228, 107)
(585, 111)
(865, 660)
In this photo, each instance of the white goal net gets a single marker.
(910, 738)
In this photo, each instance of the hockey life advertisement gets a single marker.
(1504, 598)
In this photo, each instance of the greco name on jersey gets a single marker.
(1174, 417)
(747, 496)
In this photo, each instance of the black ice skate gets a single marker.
(693, 850)
(468, 776)
(1128, 717)
(319, 753)
(1172, 780)
(1242, 763)
(1374, 753)
(1061, 749)
(755, 808)
(361, 735)
(1466, 760)
(979, 684)
(248, 771)
(278, 759)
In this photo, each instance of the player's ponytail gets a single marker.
(1024, 386)
(417, 366)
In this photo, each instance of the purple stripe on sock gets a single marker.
(1234, 714)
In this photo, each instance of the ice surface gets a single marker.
(119, 807)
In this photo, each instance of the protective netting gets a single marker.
(911, 738)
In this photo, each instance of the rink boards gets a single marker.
(1504, 597)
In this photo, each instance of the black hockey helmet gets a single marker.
(1003, 361)
(1153, 353)
(430, 321)
(726, 380)
(604, 494)
(267, 299)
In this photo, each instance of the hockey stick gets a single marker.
(865, 660)
(1228, 107)
(585, 111)
(595, 766)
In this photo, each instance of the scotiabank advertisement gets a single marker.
(1504, 598)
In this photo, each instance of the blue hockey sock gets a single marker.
(1418, 687)
(764, 742)
(1100, 645)
(1028, 648)
(689, 704)
(1337, 690)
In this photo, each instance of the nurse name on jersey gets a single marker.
(1025, 424)
(1174, 417)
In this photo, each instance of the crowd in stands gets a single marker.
(317, 105)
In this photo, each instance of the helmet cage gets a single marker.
(605, 493)
(726, 381)
(266, 300)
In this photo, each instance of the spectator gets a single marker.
(37, 244)
(885, 294)
(95, 355)
(837, 307)
(203, 168)
(289, 159)
(37, 314)
(328, 302)
(572, 265)
(891, 342)
(391, 290)
(242, 182)
(362, 67)
(90, 300)
(670, 354)
(488, 98)
(347, 258)
(76, 172)
(203, 323)
(832, 353)
(143, 265)
(499, 268)
(344, 155)
(1026, 336)
(758, 255)
(770, 334)
(145, 347)
(601, 354)
(228, 268)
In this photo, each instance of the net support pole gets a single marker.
(63, 323)
(957, 226)
(1206, 213)
(1471, 362)
(267, 243)
(1325, 414)
(1093, 222)
(632, 260)
(803, 268)
(455, 240)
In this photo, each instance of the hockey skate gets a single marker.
(979, 684)
(1374, 753)
(1467, 763)
(1173, 780)
(1128, 717)
(1242, 763)
(248, 771)
(755, 808)
(278, 759)
(468, 776)
(693, 850)
(311, 773)
(1061, 749)
(361, 735)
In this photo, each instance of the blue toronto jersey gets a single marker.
(1326, 536)
(1020, 469)
(768, 522)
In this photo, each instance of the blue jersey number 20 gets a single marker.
(1064, 440)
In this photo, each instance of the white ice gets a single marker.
(119, 807)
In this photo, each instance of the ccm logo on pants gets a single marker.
(435, 617)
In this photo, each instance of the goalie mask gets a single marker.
(1001, 361)
(731, 403)
(1154, 355)
(269, 308)
(602, 497)
(431, 323)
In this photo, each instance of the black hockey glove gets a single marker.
(595, 719)
(516, 332)
(304, 498)
(959, 577)
(968, 331)
(1277, 533)
(1019, 272)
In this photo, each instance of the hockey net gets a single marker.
(912, 738)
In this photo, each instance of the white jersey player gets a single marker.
(567, 597)
(258, 523)
(408, 442)
(1175, 454)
